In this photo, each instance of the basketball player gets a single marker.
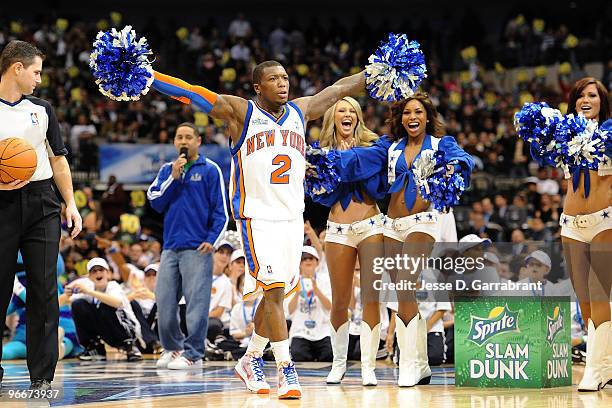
(31, 210)
(267, 189)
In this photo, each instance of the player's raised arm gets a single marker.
(313, 107)
(394, 72)
(224, 107)
(121, 65)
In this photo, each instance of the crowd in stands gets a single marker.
(511, 199)
(478, 112)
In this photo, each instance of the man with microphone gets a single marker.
(191, 194)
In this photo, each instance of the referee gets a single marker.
(31, 210)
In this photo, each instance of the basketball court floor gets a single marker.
(116, 383)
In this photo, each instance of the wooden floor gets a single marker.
(120, 384)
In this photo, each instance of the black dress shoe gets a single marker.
(40, 384)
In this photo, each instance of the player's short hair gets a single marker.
(18, 51)
(191, 126)
(259, 69)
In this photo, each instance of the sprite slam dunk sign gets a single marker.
(521, 342)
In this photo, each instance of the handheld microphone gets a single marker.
(184, 151)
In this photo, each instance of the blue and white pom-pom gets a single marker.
(580, 142)
(396, 69)
(424, 166)
(607, 135)
(321, 176)
(437, 180)
(120, 64)
(536, 123)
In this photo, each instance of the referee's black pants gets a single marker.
(30, 222)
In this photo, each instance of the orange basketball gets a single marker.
(17, 160)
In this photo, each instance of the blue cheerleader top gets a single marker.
(374, 187)
(384, 165)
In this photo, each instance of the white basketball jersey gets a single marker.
(268, 166)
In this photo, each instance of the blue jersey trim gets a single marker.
(279, 121)
(299, 111)
(247, 119)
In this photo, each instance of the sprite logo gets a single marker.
(500, 320)
(554, 325)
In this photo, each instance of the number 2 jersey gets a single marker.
(268, 165)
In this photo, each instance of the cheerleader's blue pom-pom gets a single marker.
(437, 180)
(444, 191)
(321, 176)
(536, 124)
(580, 142)
(396, 69)
(120, 64)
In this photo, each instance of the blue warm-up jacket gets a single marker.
(194, 206)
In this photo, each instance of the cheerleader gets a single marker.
(586, 234)
(412, 225)
(354, 231)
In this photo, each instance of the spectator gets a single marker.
(240, 27)
(138, 257)
(87, 150)
(102, 311)
(90, 212)
(209, 71)
(241, 321)
(221, 298)
(501, 206)
(222, 256)
(537, 267)
(67, 338)
(154, 251)
(519, 242)
(545, 184)
(236, 270)
(142, 300)
(473, 247)
(482, 229)
(309, 310)
(139, 286)
(516, 216)
(487, 209)
(547, 212)
(240, 52)
(539, 231)
(278, 41)
(114, 202)
(81, 131)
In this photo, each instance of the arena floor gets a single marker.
(116, 383)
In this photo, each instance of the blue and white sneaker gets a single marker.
(250, 370)
(288, 383)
